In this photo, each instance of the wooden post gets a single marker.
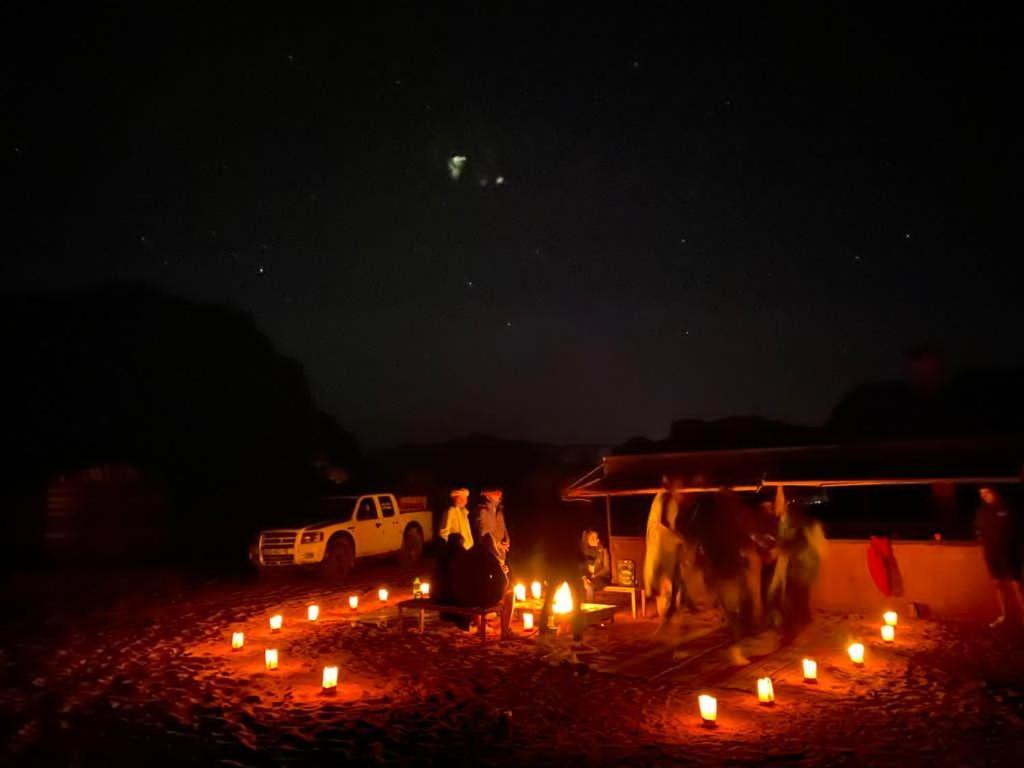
(611, 552)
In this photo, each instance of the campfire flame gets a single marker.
(563, 599)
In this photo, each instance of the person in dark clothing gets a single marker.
(725, 529)
(800, 546)
(445, 570)
(595, 565)
(479, 579)
(1000, 532)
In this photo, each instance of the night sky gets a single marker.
(659, 215)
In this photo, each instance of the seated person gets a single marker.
(595, 564)
(450, 550)
(479, 579)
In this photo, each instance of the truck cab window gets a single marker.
(367, 511)
(387, 508)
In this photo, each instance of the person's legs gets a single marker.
(507, 606)
(1001, 601)
(1018, 595)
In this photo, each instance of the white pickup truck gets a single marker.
(353, 526)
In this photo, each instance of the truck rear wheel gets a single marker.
(412, 547)
(340, 558)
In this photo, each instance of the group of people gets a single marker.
(758, 561)
(472, 565)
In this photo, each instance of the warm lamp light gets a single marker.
(425, 589)
(237, 640)
(313, 612)
(527, 620)
(330, 682)
(888, 632)
(275, 622)
(765, 691)
(382, 595)
(856, 651)
(536, 590)
(708, 708)
(270, 658)
(519, 592)
(810, 671)
(562, 603)
(891, 618)
(353, 601)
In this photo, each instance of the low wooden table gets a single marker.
(593, 613)
(480, 613)
(631, 591)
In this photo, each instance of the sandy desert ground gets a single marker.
(136, 669)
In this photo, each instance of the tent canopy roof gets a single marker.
(971, 460)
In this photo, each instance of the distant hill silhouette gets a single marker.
(193, 394)
(972, 402)
(728, 433)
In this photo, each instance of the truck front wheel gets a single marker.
(412, 547)
(340, 558)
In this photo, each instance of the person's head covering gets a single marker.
(460, 492)
(585, 547)
(491, 492)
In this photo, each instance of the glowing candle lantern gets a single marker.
(275, 622)
(562, 603)
(888, 632)
(536, 590)
(765, 691)
(353, 601)
(237, 640)
(330, 681)
(425, 589)
(708, 708)
(520, 592)
(382, 595)
(313, 612)
(527, 620)
(270, 658)
(810, 671)
(856, 651)
(891, 618)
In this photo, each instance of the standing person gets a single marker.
(491, 535)
(456, 519)
(595, 566)
(666, 553)
(999, 529)
(800, 546)
(725, 536)
(489, 518)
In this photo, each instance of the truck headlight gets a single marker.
(312, 537)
